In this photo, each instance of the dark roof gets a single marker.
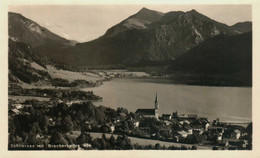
(145, 111)
(166, 115)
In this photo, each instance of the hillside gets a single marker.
(243, 27)
(22, 29)
(225, 57)
(25, 65)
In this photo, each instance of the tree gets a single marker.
(104, 136)
(157, 146)
(67, 124)
(112, 141)
(84, 138)
(125, 125)
(57, 138)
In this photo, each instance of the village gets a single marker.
(74, 118)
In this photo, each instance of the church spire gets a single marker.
(156, 99)
(156, 102)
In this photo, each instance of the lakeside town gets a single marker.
(144, 84)
(69, 120)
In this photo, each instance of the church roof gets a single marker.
(146, 111)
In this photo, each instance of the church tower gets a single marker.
(156, 107)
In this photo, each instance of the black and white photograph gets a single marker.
(130, 77)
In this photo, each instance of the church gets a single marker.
(150, 113)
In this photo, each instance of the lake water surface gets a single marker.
(226, 103)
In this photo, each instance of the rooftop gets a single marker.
(146, 111)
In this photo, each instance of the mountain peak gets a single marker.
(144, 9)
(193, 11)
(146, 12)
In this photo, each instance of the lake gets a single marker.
(226, 103)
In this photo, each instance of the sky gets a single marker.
(87, 22)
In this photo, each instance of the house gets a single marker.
(215, 129)
(188, 129)
(175, 115)
(107, 128)
(17, 106)
(219, 136)
(166, 116)
(185, 122)
(236, 134)
(150, 113)
(206, 126)
(166, 122)
(238, 143)
(87, 125)
(192, 116)
(183, 134)
(165, 132)
(223, 143)
(15, 111)
(198, 130)
(188, 117)
(183, 116)
(134, 122)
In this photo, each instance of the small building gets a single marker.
(87, 125)
(175, 115)
(236, 134)
(183, 116)
(165, 132)
(192, 116)
(17, 106)
(107, 128)
(219, 136)
(183, 134)
(238, 143)
(15, 111)
(188, 129)
(189, 117)
(166, 122)
(223, 143)
(206, 126)
(134, 122)
(166, 116)
(214, 130)
(198, 130)
(184, 122)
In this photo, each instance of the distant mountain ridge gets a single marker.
(145, 37)
(243, 27)
(140, 39)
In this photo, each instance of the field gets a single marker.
(70, 75)
(141, 141)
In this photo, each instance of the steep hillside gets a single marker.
(230, 56)
(27, 31)
(25, 65)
